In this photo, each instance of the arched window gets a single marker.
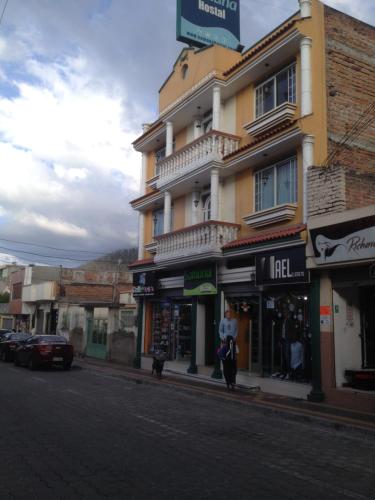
(206, 199)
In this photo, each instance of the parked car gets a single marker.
(9, 343)
(44, 350)
(3, 332)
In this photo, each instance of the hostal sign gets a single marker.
(281, 267)
(205, 22)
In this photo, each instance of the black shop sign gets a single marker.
(144, 284)
(281, 267)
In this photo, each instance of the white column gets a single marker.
(169, 139)
(307, 161)
(305, 7)
(216, 107)
(214, 194)
(197, 128)
(167, 212)
(306, 83)
(143, 174)
(141, 236)
(195, 208)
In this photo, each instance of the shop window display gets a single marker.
(286, 337)
(171, 330)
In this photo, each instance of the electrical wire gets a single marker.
(3, 12)
(53, 248)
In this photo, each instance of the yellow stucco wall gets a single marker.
(179, 213)
(200, 64)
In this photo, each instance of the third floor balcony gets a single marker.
(208, 149)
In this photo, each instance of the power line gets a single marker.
(52, 248)
(3, 12)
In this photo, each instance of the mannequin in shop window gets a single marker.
(296, 357)
(286, 333)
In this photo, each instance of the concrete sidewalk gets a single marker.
(248, 395)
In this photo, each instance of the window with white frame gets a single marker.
(206, 206)
(158, 221)
(276, 90)
(276, 184)
(127, 319)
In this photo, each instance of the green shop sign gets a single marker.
(200, 281)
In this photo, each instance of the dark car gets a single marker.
(9, 343)
(44, 350)
(3, 332)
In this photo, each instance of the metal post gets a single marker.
(316, 394)
(217, 373)
(193, 361)
(137, 359)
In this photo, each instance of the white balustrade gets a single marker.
(207, 237)
(210, 147)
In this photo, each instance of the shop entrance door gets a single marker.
(181, 331)
(367, 302)
(96, 338)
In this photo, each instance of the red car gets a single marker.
(9, 343)
(44, 350)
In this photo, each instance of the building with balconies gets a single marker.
(223, 206)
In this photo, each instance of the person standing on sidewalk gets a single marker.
(228, 327)
(228, 353)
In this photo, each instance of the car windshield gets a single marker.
(52, 339)
(18, 336)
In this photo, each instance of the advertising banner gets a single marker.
(205, 22)
(200, 281)
(348, 241)
(144, 284)
(281, 267)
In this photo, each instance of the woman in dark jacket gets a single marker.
(227, 354)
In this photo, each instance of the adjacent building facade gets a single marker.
(227, 169)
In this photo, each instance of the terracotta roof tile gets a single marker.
(266, 236)
(259, 47)
(266, 135)
(142, 262)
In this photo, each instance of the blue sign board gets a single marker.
(205, 22)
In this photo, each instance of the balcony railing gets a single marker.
(210, 147)
(204, 239)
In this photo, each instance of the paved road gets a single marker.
(88, 435)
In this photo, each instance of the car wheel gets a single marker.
(31, 364)
(67, 366)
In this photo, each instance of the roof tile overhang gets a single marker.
(260, 46)
(141, 263)
(265, 236)
(144, 197)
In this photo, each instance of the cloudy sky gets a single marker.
(77, 80)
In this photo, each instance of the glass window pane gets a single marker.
(282, 87)
(264, 189)
(268, 96)
(287, 182)
(158, 219)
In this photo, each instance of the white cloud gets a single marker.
(52, 225)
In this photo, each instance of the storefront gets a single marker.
(272, 313)
(344, 257)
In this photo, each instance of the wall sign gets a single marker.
(348, 241)
(205, 22)
(281, 267)
(200, 281)
(144, 284)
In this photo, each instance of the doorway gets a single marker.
(367, 303)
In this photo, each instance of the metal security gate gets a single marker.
(96, 338)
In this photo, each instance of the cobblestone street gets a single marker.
(89, 435)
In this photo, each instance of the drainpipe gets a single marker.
(307, 161)
(305, 8)
(306, 80)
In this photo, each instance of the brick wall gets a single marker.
(88, 292)
(326, 190)
(350, 77)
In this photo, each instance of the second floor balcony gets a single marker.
(200, 241)
(211, 147)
